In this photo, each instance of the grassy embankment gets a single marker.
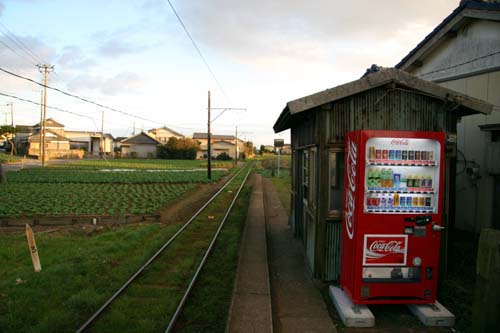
(81, 271)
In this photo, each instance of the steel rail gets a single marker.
(174, 318)
(150, 260)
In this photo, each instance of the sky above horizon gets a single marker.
(134, 56)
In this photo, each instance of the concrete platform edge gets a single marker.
(433, 314)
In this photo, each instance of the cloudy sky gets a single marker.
(134, 56)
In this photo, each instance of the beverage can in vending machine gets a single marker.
(402, 201)
(423, 155)
(421, 201)
(398, 154)
(378, 154)
(415, 201)
(411, 155)
(417, 155)
(371, 153)
(423, 181)
(390, 201)
(404, 155)
(430, 155)
(391, 154)
(385, 154)
(383, 201)
(409, 202)
(396, 200)
(428, 202)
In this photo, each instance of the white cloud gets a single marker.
(121, 83)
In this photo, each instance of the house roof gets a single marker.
(50, 136)
(467, 10)
(90, 133)
(383, 77)
(50, 123)
(153, 130)
(141, 139)
(204, 136)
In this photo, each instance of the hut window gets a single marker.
(336, 186)
(305, 174)
(312, 177)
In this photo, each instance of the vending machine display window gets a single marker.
(402, 175)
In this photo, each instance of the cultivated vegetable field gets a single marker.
(117, 188)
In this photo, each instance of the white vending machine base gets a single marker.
(352, 315)
(433, 314)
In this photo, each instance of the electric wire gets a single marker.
(19, 55)
(460, 64)
(88, 100)
(199, 51)
(20, 44)
(48, 107)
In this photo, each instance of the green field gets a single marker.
(7, 158)
(80, 271)
(100, 187)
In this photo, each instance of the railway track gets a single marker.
(159, 285)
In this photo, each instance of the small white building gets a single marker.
(140, 145)
(164, 133)
(220, 144)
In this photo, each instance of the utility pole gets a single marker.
(236, 147)
(45, 69)
(40, 124)
(102, 135)
(209, 144)
(11, 114)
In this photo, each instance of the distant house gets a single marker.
(91, 142)
(80, 142)
(140, 145)
(57, 144)
(164, 133)
(220, 144)
(286, 149)
(463, 53)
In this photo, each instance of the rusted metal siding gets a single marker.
(332, 255)
(387, 109)
(383, 108)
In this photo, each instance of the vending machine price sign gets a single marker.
(392, 181)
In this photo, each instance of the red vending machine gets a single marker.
(392, 216)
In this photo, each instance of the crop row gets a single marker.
(7, 158)
(32, 200)
(144, 164)
(59, 175)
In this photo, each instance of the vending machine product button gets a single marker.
(417, 261)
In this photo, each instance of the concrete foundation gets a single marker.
(433, 314)
(352, 315)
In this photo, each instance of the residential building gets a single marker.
(164, 133)
(220, 144)
(140, 145)
(463, 53)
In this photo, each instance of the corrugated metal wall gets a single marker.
(332, 255)
(383, 108)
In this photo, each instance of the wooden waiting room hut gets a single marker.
(388, 99)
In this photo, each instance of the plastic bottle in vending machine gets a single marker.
(390, 178)
(409, 181)
(421, 201)
(403, 181)
(376, 177)
(383, 182)
(429, 181)
(371, 153)
(416, 181)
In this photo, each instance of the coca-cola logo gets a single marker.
(399, 142)
(384, 250)
(384, 246)
(350, 203)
